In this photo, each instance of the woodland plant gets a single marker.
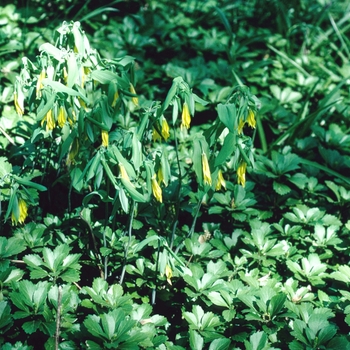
(156, 203)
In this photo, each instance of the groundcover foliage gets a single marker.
(175, 175)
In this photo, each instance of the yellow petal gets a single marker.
(157, 191)
(50, 121)
(168, 274)
(135, 100)
(185, 117)
(62, 116)
(206, 170)
(23, 213)
(241, 173)
(251, 119)
(165, 129)
(220, 181)
(105, 138)
(240, 126)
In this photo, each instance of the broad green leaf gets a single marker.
(220, 344)
(196, 340)
(92, 324)
(217, 299)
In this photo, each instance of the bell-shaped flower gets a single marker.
(105, 138)
(157, 191)
(241, 173)
(23, 213)
(206, 170)
(220, 182)
(185, 117)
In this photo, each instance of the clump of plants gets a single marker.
(189, 214)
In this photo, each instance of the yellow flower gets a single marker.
(62, 116)
(135, 100)
(124, 175)
(165, 129)
(241, 173)
(220, 181)
(23, 213)
(39, 84)
(105, 138)
(18, 104)
(186, 117)
(206, 170)
(65, 75)
(50, 121)
(157, 191)
(74, 149)
(168, 274)
(115, 98)
(251, 119)
(240, 126)
(70, 120)
(155, 135)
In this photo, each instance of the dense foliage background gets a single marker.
(175, 175)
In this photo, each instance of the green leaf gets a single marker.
(5, 314)
(257, 341)
(227, 115)
(281, 188)
(217, 299)
(276, 304)
(220, 344)
(92, 324)
(196, 341)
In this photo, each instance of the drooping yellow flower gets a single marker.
(105, 138)
(123, 174)
(19, 104)
(62, 116)
(157, 191)
(70, 120)
(135, 100)
(168, 274)
(39, 84)
(50, 121)
(165, 129)
(241, 173)
(74, 149)
(155, 135)
(206, 170)
(65, 74)
(185, 117)
(23, 213)
(220, 182)
(240, 126)
(115, 98)
(251, 119)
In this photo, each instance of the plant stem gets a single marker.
(58, 317)
(122, 275)
(190, 233)
(178, 193)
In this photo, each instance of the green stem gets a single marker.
(191, 231)
(122, 275)
(154, 290)
(178, 193)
